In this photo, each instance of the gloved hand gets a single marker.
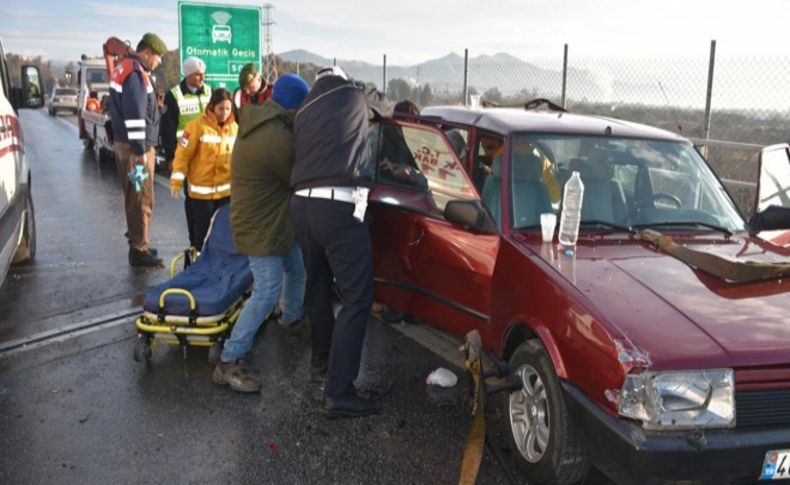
(138, 176)
(176, 188)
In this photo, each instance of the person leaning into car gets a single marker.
(330, 176)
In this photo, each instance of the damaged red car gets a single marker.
(657, 350)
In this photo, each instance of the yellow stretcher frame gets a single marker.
(199, 331)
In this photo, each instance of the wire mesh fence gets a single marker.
(749, 102)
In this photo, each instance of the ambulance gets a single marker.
(17, 220)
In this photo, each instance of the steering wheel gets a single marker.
(662, 196)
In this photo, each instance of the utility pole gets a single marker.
(270, 66)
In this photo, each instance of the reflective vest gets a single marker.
(190, 106)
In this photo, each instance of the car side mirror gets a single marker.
(30, 95)
(772, 208)
(470, 214)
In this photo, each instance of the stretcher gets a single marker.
(200, 305)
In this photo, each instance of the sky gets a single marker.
(413, 31)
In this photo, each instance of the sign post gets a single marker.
(225, 37)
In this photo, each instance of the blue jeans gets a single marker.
(268, 273)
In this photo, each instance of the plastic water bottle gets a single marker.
(571, 210)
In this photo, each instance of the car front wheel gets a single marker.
(549, 450)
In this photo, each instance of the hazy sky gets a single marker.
(412, 31)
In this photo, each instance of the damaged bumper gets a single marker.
(628, 454)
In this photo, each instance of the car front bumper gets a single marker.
(628, 454)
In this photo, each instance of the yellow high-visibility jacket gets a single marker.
(203, 157)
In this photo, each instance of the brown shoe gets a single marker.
(239, 378)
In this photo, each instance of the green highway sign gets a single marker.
(225, 37)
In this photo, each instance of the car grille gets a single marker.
(762, 408)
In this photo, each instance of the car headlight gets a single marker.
(680, 399)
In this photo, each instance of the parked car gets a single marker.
(630, 360)
(17, 219)
(62, 99)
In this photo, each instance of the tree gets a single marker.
(492, 94)
(398, 89)
(426, 96)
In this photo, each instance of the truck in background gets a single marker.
(93, 114)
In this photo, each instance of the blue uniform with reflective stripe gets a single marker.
(134, 112)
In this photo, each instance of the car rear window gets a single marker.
(65, 92)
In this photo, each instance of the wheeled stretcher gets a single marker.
(200, 305)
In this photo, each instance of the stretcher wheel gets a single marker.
(142, 349)
(214, 353)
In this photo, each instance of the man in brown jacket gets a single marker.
(260, 220)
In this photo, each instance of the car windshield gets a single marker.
(627, 182)
(65, 92)
(97, 76)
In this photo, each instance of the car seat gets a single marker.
(604, 199)
(492, 191)
(530, 196)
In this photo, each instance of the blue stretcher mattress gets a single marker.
(219, 276)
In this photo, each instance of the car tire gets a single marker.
(538, 427)
(27, 247)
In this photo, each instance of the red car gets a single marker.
(630, 360)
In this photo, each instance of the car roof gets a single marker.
(510, 120)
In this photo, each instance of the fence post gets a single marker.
(709, 94)
(297, 69)
(466, 74)
(384, 77)
(564, 74)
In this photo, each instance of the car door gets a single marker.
(425, 266)
(773, 194)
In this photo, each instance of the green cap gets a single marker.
(155, 43)
(247, 74)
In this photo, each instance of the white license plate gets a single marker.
(776, 465)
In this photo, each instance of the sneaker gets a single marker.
(143, 258)
(236, 376)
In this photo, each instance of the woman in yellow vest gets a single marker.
(203, 158)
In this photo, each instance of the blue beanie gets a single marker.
(289, 91)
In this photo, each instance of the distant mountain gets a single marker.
(503, 71)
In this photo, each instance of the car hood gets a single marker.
(680, 316)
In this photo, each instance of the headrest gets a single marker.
(591, 170)
(526, 167)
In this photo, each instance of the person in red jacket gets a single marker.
(135, 119)
(252, 88)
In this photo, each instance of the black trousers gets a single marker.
(201, 212)
(336, 249)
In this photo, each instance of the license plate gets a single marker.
(776, 465)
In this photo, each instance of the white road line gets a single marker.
(162, 181)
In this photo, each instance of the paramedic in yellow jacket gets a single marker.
(203, 158)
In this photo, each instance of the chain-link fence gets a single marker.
(746, 100)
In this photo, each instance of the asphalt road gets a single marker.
(75, 407)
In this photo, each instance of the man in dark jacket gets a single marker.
(135, 124)
(260, 175)
(330, 177)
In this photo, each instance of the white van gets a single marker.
(17, 221)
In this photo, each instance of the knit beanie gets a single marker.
(289, 91)
(247, 74)
(192, 65)
(154, 42)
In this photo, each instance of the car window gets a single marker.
(627, 181)
(96, 76)
(421, 159)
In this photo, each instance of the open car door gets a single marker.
(426, 265)
(771, 220)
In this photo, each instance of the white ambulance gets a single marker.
(17, 222)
